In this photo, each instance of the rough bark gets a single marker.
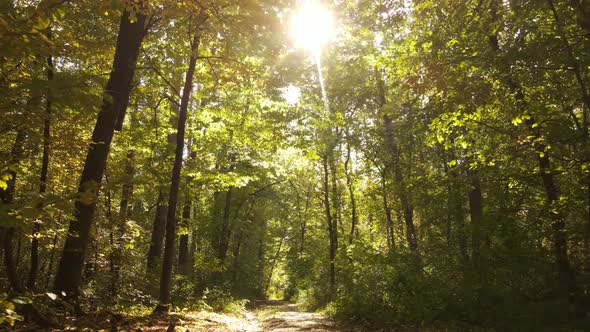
(116, 97)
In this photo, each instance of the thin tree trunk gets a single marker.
(69, 273)
(224, 237)
(273, 265)
(560, 245)
(183, 261)
(476, 214)
(166, 277)
(7, 197)
(351, 193)
(388, 219)
(51, 259)
(331, 228)
(158, 231)
(407, 208)
(121, 221)
(455, 200)
(236, 257)
(42, 178)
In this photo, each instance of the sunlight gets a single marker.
(291, 94)
(311, 26)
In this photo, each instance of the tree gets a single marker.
(115, 99)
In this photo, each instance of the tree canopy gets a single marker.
(425, 164)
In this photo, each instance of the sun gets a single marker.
(311, 26)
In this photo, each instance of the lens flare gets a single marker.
(311, 26)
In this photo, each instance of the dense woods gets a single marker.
(429, 168)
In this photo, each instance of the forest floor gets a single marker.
(272, 316)
(260, 316)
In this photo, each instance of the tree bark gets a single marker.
(158, 231)
(116, 97)
(166, 277)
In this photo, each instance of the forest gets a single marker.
(235, 165)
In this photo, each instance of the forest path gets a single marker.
(282, 316)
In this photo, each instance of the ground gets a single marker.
(272, 316)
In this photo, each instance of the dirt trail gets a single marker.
(281, 316)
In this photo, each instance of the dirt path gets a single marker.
(280, 316)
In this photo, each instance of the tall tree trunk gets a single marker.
(351, 193)
(236, 257)
(331, 228)
(7, 197)
(183, 258)
(388, 219)
(273, 265)
(116, 93)
(225, 220)
(166, 277)
(42, 178)
(120, 223)
(455, 198)
(560, 245)
(49, 271)
(407, 208)
(158, 231)
(476, 214)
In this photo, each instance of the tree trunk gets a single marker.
(224, 238)
(117, 91)
(7, 197)
(331, 228)
(476, 214)
(158, 231)
(455, 198)
(539, 146)
(388, 219)
(351, 193)
(407, 208)
(42, 178)
(183, 261)
(121, 221)
(273, 265)
(166, 277)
